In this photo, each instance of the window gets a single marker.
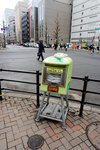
(81, 20)
(80, 34)
(82, 13)
(80, 27)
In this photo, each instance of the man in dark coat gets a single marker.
(41, 50)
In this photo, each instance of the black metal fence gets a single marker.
(84, 90)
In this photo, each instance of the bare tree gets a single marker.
(56, 32)
(46, 31)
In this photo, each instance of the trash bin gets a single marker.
(56, 77)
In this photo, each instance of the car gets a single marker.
(69, 45)
(47, 45)
(26, 44)
(31, 44)
(36, 45)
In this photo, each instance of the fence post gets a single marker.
(0, 92)
(83, 95)
(37, 88)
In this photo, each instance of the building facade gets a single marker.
(20, 9)
(86, 21)
(33, 23)
(54, 20)
(25, 28)
(8, 13)
(12, 30)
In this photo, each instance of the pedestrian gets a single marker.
(40, 50)
(61, 45)
(55, 46)
(91, 47)
(98, 49)
(65, 47)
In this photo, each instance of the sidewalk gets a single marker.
(17, 124)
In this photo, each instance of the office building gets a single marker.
(86, 21)
(25, 28)
(33, 11)
(54, 20)
(20, 9)
(12, 30)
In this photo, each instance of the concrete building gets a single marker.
(54, 20)
(86, 21)
(8, 13)
(33, 11)
(20, 9)
(25, 28)
(12, 30)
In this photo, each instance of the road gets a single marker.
(22, 58)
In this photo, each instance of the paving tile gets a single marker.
(66, 143)
(3, 144)
(10, 136)
(57, 136)
(55, 145)
(84, 146)
(49, 140)
(45, 146)
(69, 123)
(25, 139)
(14, 143)
(13, 148)
(76, 128)
(83, 137)
(50, 131)
(76, 134)
(2, 136)
(20, 147)
(61, 148)
(67, 135)
(76, 148)
(76, 141)
(17, 124)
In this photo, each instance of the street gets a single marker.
(25, 58)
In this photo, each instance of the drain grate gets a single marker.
(35, 142)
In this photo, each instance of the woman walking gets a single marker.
(40, 51)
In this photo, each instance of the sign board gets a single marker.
(97, 26)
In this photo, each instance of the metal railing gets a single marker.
(37, 83)
(84, 91)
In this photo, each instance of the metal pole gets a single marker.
(83, 95)
(4, 35)
(37, 88)
(0, 92)
(71, 5)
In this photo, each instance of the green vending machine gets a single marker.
(56, 77)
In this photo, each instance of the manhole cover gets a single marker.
(35, 142)
(93, 134)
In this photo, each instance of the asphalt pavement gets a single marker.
(25, 58)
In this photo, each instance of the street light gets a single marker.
(71, 4)
(4, 35)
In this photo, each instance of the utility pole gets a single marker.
(4, 45)
(71, 5)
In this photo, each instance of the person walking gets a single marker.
(41, 50)
(91, 48)
(98, 49)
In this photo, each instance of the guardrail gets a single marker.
(84, 91)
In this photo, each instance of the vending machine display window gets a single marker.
(54, 75)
